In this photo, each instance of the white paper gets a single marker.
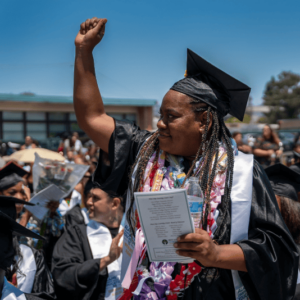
(41, 199)
(164, 216)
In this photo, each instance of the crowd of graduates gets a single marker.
(90, 245)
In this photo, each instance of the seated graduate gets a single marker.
(9, 228)
(78, 215)
(286, 186)
(244, 246)
(87, 258)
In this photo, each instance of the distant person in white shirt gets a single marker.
(28, 143)
(76, 145)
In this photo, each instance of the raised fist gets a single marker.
(90, 34)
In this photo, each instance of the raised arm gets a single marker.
(88, 102)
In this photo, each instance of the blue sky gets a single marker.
(144, 50)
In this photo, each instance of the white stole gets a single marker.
(100, 239)
(64, 207)
(241, 198)
(25, 277)
(85, 215)
(9, 292)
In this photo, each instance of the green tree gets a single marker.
(283, 97)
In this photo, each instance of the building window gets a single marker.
(13, 131)
(36, 116)
(57, 116)
(57, 129)
(38, 131)
(72, 117)
(75, 127)
(12, 115)
(130, 117)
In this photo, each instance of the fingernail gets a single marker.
(178, 239)
(177, 252)
(175, 245)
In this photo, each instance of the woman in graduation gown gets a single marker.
(86, 259)
(29, 268)
(9, 228)
(244, 249)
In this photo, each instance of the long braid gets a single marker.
(149, 147)
(211, 169)
(207, 174)
(229, 174)
(209, 164)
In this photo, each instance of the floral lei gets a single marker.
(157, 177)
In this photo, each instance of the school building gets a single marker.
(44, 117)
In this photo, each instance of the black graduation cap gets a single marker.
(8, 216)
(12, 168)
(284, 181)
(88, 186)
(10, 175)
(211, 85)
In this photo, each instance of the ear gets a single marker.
(202, 121)
(116, 202)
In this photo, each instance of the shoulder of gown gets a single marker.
(43, 285)
(124, 146)
(270, 252)
(73, 217)
(75, 272)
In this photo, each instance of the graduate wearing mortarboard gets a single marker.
(87, 258)
(31, 277)
(12, 182)
(243, 250)
(8, 229)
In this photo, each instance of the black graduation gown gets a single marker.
(73, 217)
(38, 297)
(270, 252)
(297, 294)
(75, 271)
(296, 167)
(43, 285)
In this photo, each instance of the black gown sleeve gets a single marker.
(73, 217)
(124, 146)
(43, 286)
(270, 252)
(74, 271)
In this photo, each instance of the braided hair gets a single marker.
(209, 149)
